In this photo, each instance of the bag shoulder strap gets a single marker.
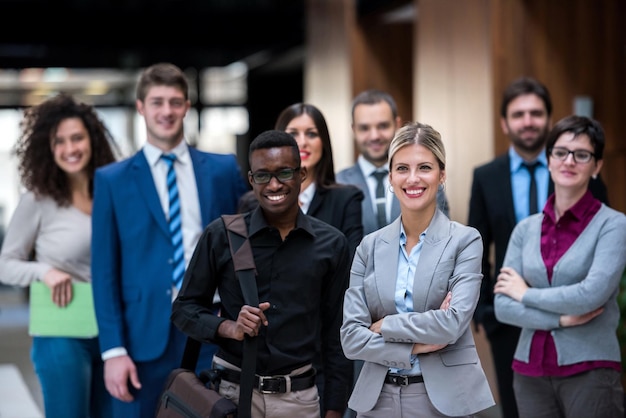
(245, 269)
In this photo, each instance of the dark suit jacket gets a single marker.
(132, 248)
(492, 212)
(340, 206)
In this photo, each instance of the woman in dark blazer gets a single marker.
(321, 196)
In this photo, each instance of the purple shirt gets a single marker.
(556, 238)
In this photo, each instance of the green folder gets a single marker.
(77, 319)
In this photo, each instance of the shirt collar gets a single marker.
(258, 222)
(403, 235)
(306, 195)
(153, 154)
(517, 160)
(578, 211)
(368, 168)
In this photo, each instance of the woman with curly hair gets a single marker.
(48, 239)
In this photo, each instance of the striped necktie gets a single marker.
(176, 232)
(381, 202)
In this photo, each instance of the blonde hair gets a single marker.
(416, 133)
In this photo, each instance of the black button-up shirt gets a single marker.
(303, 277)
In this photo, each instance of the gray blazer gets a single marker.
(585, 278)
(354, 175)
(450, 260)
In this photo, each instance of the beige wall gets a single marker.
(452, 90)
(327, 82)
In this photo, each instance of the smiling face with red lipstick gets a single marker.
(307, 125)
(417, 168)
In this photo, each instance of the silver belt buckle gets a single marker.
(262, 380)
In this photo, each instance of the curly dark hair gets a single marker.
(37, 169)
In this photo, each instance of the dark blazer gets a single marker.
(131, 247)
(492, 212)
(340, 206)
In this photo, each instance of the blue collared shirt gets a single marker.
(407, 265)
(520, 183)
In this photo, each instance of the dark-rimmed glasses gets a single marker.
(580, 155)
(264, 177)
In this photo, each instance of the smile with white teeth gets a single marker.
(276, 198)
(414, 192)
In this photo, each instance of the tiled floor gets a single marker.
(15, 342)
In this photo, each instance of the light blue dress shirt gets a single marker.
(407, 264)
(520, 183)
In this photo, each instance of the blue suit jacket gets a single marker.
(131, 247)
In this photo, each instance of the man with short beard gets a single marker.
(501, 197)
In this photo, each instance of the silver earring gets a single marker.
(391, 188)
(594, 176)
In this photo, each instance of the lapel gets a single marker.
(201, 168)
(143, 176)
(386, 252)
(435, 242)
(502, 182)
(316, 203)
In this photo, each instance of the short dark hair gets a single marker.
(162, 74)
(373, 96)
(274, 139)
(521, 87)
(578, 125)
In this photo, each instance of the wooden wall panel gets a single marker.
(575, 47)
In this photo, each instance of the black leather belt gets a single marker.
(273, 384)
(402, 380)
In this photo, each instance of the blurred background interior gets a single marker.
(445, 61)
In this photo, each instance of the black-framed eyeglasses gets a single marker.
(264, 177)
(580, 155)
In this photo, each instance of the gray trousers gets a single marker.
(409, 401)
(594, 394)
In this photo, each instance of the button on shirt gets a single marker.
(303, 277)
(407, 266)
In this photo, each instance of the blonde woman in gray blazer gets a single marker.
(414, 285)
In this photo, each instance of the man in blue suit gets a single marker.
(135, 248)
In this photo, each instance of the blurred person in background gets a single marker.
(503, 193)
(149, 211)
(61, 144)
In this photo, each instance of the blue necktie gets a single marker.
(175, 221)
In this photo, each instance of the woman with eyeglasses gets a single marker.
(560, 283)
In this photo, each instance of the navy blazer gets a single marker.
(132, 249)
